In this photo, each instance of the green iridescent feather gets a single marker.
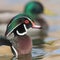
(33, 9)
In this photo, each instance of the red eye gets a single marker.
(26, 21)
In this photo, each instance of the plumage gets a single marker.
(19, 26)
(33, 9)
(19, 22)
(5, 44)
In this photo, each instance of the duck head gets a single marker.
(34, 7)
(20, 26)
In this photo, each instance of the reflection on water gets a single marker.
(25, 57)
(37, 53)
(6, 58)
(56, 52)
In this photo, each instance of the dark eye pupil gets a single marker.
(26, 21)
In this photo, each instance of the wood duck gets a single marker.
(19, 25)
(34, 9)
(6, 48)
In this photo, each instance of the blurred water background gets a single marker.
(10, 8)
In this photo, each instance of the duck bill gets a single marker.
(36, 26)
(48, 12)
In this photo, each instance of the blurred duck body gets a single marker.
(34, 9)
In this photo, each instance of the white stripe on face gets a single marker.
(23, 32)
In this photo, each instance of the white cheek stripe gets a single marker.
(23, 32)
